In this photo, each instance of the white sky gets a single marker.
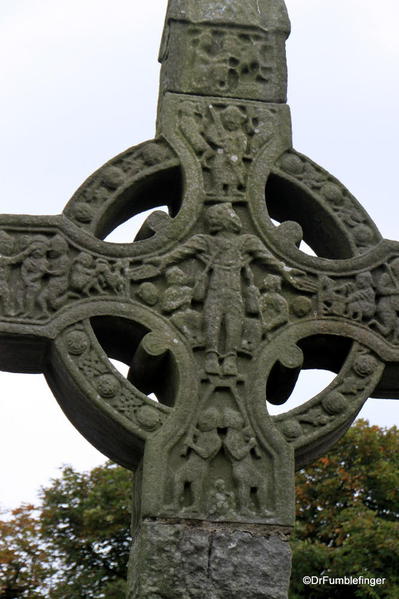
(79, 82)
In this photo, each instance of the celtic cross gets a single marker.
(213, 306)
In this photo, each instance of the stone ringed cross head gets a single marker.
(213, 306)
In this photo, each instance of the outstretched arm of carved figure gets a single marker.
(194, 246)
(295, 277)
(255, 250)
(299, 279)
(9, 260)
(288, 274)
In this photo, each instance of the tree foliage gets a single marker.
(24, 562)
(85, 520)
(348, 516)
(76, 544)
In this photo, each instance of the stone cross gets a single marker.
(213, 306)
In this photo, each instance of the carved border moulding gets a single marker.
(110, 188)
(213, 307)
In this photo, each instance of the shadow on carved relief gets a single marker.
(125, 340)
(161, 189)
(288, 201)
(320, 352)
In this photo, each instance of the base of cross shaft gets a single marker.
(186, 559)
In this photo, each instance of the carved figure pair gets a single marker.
(42, 280)
(213, 433)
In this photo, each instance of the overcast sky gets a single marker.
(79, 81)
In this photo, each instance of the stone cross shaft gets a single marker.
(214, 306)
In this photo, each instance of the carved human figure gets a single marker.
(386, 319)
(109, 277)
(191, 127)
(200, 447)
(202, 50)
(210, 67)
(55, 289)
(5, 298)
(176, 301)
(227, 254)
(221, 501)
(221, 143)
(261, 129)
(33, 269)
(361, 300)
(252, 68)
(224, 133)
(242, 449)
(273, 306)
(5, 295)
(332, 297)
(233, 50)
(83, 277)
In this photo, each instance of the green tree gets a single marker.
(348, 516)
(85, 522)
(24, 561)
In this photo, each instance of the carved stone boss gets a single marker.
(214, 307)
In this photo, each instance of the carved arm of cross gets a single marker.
(220, 333)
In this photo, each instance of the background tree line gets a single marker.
(75, 543)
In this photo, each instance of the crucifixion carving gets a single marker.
(213, 306)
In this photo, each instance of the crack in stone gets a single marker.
(208, 569)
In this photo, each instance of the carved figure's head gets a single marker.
(233, 118)
(233, 420)
(7, 244)
(148, 293)
(175, 276)
(220, 485)
(58, 246)
(205, 41)
(271, 283)
(39, 247)
(222, 217)
(188, 108)
(364, 280)
(85, 259)
(208, 420)
(102, 265)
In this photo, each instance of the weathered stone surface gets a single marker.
(182, 561)
(214, 307)
(228, 49)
